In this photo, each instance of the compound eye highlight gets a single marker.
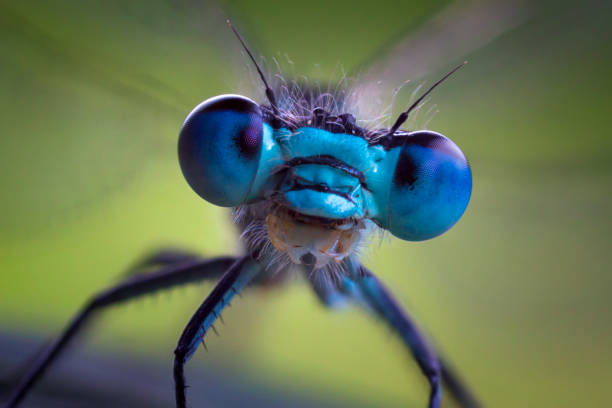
(220, 148)
(431, 187)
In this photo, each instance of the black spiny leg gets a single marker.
(365, 287)
(232, 281)
(166, 277)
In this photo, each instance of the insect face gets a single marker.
(323, 180)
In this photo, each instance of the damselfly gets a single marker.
(308, 183)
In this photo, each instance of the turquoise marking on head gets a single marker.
(416, 185)
(324, 178)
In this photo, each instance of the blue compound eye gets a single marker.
(220, 148)
(430, 189)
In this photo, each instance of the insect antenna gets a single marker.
(269, 93)
(404, 115)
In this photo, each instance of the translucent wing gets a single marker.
(434, 46)
(95, 93)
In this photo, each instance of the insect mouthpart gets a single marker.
(320, 212)
(299, 235)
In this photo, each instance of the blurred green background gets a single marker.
(518, 294)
